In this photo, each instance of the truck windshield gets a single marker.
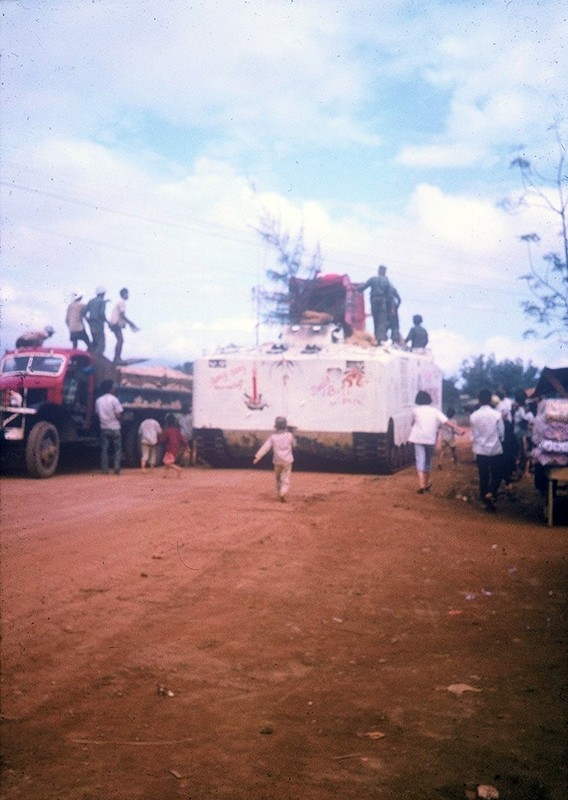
(38, 364)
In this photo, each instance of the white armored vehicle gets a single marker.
(349, 403)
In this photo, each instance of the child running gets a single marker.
(282, 443)
(448, 440)
(175, 441)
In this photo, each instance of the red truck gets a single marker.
(47, 399)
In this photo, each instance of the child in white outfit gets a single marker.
(282, 443)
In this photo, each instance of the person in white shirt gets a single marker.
(148, 433)
(282, 444)
(505, 406)
(117, 321)
(487, 433)
(426, 421)
(109, 411)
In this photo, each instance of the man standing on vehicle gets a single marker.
(109, 411)
(383, 296)
(118, 320)
(95, 314)
(74, 320)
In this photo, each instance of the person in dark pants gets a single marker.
(109, 412)
(95, 314)
(383, 298)
(487, 433)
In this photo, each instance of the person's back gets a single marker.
(282, 447)
(487, 434)
(108, 409)
(34, 338)
(487, 431)
(417, 335)
(95, 309)
(74, 318)
(149, 430)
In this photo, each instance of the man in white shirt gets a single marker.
(117, 321)
(487, 434)
(109, 411)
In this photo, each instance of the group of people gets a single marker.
(487, 425)
(176, 435)
(385, 302)
(500, 430)
(95, 314)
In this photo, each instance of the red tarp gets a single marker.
(332, 294)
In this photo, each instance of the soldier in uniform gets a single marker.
(384, 298)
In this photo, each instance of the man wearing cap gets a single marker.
(34, 338)
(94, 313)
(383, 296)
(74, 320)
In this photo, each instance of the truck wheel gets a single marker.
(42, 450)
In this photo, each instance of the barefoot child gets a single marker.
(448, 440)
(282, 444)
(175, 441)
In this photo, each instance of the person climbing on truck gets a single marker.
(35, 338)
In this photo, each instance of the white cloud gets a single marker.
(98, 188)
(192, 65)
(501, 70)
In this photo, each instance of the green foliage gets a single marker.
(484, 372)
(450, 393)
(547, 279)
(186, 367)
(292, 261)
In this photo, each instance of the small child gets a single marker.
(174, 441)
(448, 440)
(282, 444)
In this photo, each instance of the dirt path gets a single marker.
(195, 639)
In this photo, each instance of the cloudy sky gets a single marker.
(142, 140)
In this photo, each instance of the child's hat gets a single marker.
(280, 423)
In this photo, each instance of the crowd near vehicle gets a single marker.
(47, 399)
(349, 403)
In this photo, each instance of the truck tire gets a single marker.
(42, 450)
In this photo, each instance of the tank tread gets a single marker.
(210, 444)
(386, 454)
(365, 446)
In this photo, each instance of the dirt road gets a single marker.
(195, 639)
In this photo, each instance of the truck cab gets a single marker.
(47, 398)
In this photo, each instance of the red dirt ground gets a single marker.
(196, 639)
